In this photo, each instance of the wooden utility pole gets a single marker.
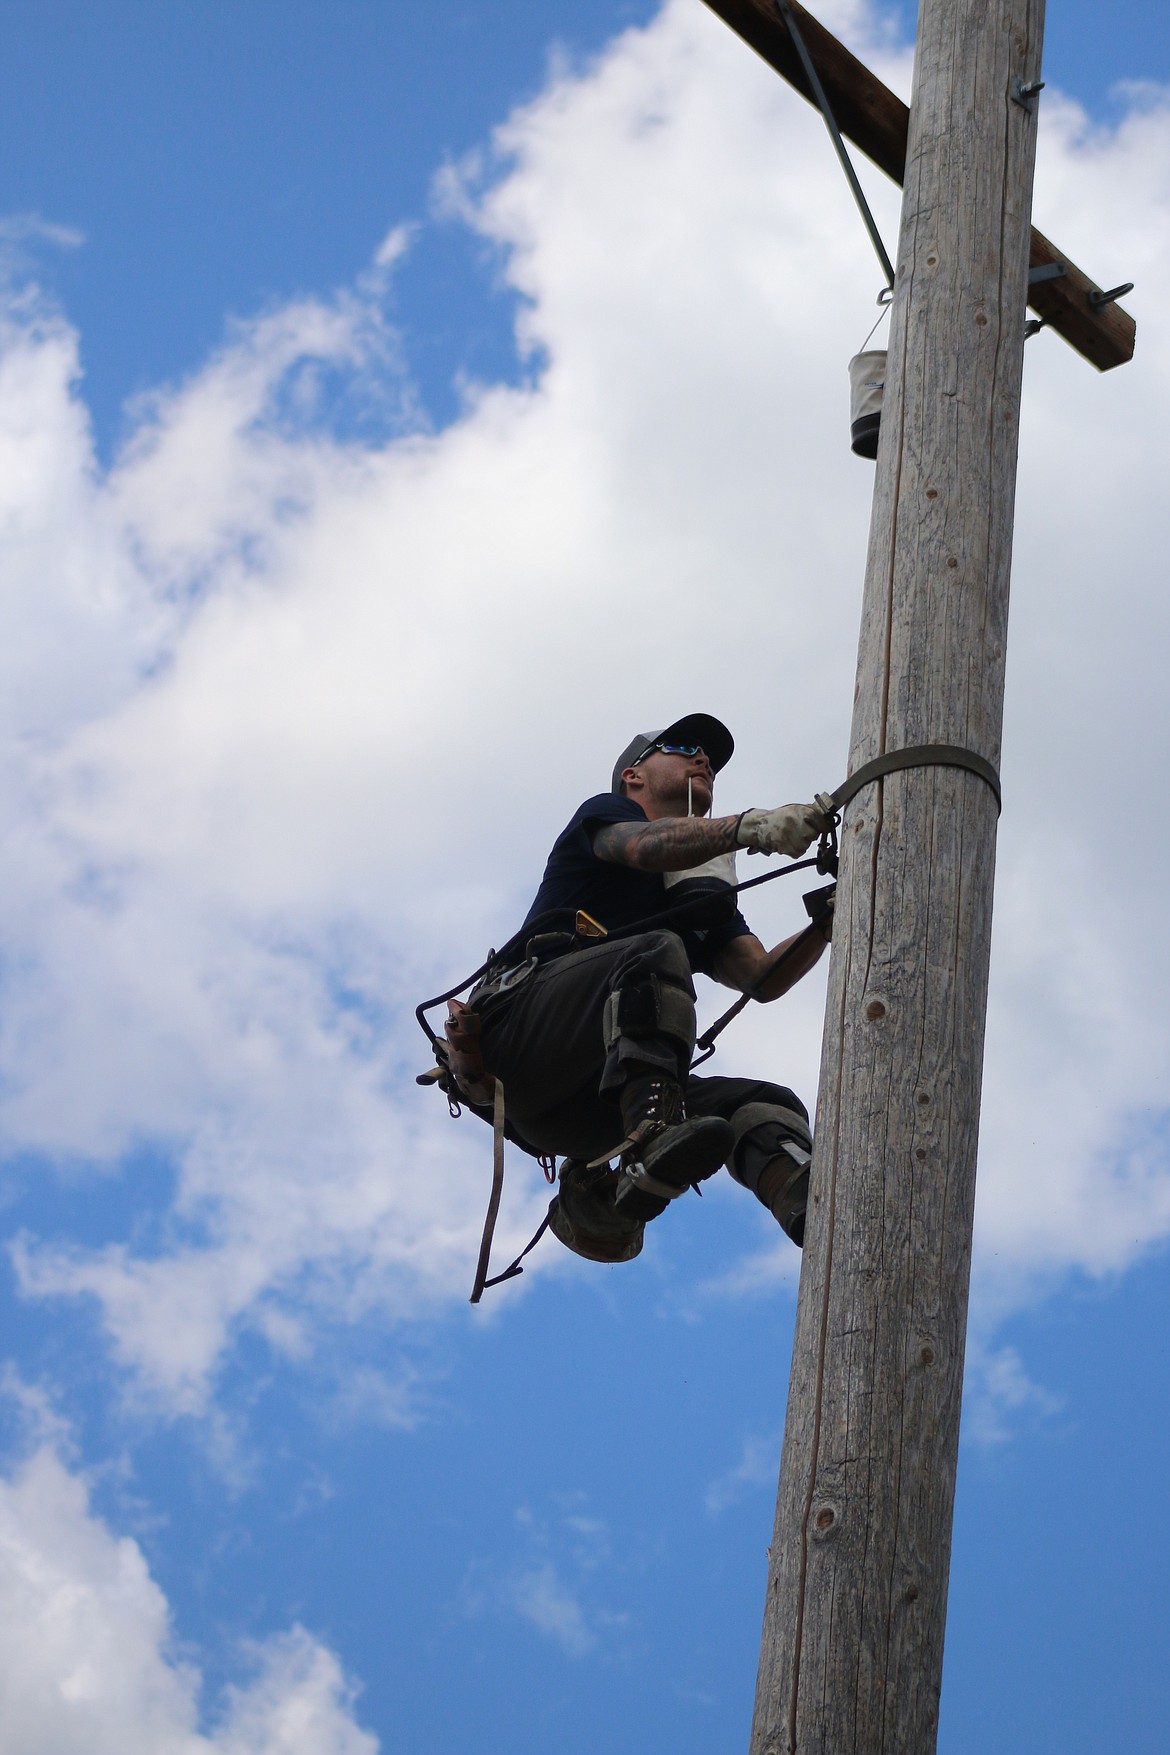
(851, 1660)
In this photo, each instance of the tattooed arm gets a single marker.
(744, 964)
(666, 843)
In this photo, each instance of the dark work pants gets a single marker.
(545, 1039)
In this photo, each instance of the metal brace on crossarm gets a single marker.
(822, 102)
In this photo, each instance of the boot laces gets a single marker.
(661, 1103)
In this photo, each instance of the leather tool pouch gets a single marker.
(465, 1054)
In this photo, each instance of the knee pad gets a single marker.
(650, 1007)
(764, 1131)
(670, 961)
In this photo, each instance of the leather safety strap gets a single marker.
(510, 1273)
(921, 755)
(489, 1224)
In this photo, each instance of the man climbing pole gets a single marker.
(591, 1036)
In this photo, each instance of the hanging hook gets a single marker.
(1098, 300)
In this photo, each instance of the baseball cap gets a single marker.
(710, 734)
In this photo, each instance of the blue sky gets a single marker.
(339, 432)
(262, 153)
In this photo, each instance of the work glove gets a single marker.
(791, 829)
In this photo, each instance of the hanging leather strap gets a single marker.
(510, 1273)
(489, 1224)
(920, 755)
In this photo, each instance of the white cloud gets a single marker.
(559, 1541)
(21, 234)
(88, 1659)
(291, 719)
(540, 1595)
(998, 1393)
(758, 1463)
(299, 1702)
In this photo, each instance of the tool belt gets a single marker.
(542, 948)
(461, 1073)
(463, 1026)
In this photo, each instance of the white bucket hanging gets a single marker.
(867, 380)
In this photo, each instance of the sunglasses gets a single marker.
(670, 749)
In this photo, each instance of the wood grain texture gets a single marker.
(875, 119)
(851, 1658)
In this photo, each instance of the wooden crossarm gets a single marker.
(875, 119)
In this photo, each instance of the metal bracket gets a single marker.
(1026, 92)
(784, 8)
(1098, 300)
(1053, 271)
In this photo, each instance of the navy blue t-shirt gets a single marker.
(615, 895)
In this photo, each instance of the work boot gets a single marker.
(783, 1188)
(663, 1153)
(772, 1157)
(586, 1218)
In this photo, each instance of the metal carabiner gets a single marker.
(827, 850)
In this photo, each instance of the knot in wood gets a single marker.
(824, 1520)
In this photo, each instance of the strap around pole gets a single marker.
(922, 755)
